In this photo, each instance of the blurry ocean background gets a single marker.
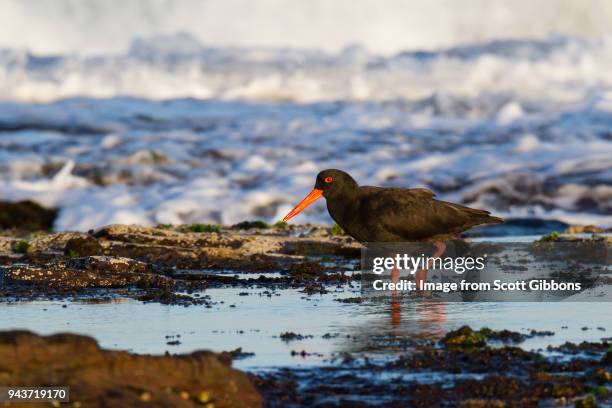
(125, 111)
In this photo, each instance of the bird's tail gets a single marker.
(475, 216)
(491, 219)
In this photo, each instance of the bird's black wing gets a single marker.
(415, 214)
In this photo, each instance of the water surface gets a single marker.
(254, 322)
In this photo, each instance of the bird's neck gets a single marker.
(341, 204)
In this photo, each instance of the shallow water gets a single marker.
(254, 323)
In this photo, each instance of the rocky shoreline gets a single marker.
(167, 264)
(465, 368)
(176, 265)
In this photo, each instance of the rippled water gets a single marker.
(256, 321)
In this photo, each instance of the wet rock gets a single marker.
(94, 272)
(305, 270)
(180, 238)
(583, 229)
(161, 260)
(464, 337)
(55, 242)
(508, 336)
(102, 378)
(247, 225)
(585, 347)
(106, 264)
(313, 288)
(601, 375)
(167, 296)
(505, 336)
(588, 402)
(304, 353)
(324, 246)
(82, 246)
(290, 336)
(550, 237)
(537, 333)
(238, 354)
(607, 358)
(26, 215)
(7, 244)
(355, 299)
(482, 403)
(465, 377)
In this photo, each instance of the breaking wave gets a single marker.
(557, 71)
(172, 131)
(126, 160)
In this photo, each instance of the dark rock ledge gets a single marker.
(103, 378)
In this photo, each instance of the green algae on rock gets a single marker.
(204, 228)
(80, 246)
(587, 402)
(22, 247)
(336, 230)
(464, 337)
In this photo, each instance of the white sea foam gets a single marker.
(183, 161)
(518, 127)
(558, 70)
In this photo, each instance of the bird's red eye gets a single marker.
(328, 179)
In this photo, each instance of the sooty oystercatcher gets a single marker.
(377, 214)
(380, 214)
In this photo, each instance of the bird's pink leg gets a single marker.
(395, 274)
(421, 275)
(440, 248)
(396, 307)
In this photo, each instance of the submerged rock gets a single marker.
(464, 337)
(485, 376)
(508, 336)
(102, 378)
(290, 336)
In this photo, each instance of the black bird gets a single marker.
(380, 214)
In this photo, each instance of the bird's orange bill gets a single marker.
(314, 195)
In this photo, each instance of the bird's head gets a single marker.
(329, 183)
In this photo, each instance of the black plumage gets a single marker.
(378, 214)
